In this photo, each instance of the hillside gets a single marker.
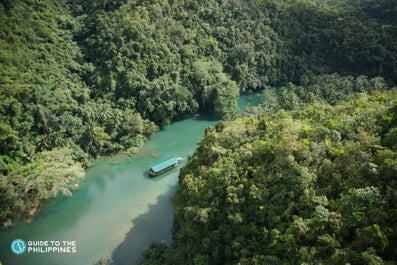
(50, 125)
(313, 185)
(82, 79)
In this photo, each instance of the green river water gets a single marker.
(118, 210)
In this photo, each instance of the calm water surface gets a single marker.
(118, 210)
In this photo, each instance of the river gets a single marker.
(118, 210)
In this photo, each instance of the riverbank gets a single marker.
(117, 204)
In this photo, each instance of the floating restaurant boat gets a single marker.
(163, 165)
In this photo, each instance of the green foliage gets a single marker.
(313, 185)
(382, 10)
(329, 88)
(217, 91)
(49, 174)
(156, 254)
(46, 106)
(100, 76)
(321, 38)
(168, 58)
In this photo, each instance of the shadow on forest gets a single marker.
(152, 226)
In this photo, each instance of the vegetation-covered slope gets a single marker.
(47, 111)
(170, 58)
(384, 11)
(313, 185)
(88, 78)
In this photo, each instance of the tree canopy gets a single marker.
(311, 185)
(98, 77)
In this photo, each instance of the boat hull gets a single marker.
(156, 173)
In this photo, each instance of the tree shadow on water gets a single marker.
(153, 226)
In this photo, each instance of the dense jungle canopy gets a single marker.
(312, 185)
(308, 177)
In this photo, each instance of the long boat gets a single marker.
(163, 165)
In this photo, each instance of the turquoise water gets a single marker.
(253, 99)
(119, 210)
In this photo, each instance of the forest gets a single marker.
(315, 184)
(307, 177)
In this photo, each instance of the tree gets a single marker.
(51, 173)
(290, 191)
(218, 92)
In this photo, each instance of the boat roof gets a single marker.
(169, 161)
